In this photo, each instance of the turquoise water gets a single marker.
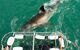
(14, 13)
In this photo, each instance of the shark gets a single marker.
(44, 14)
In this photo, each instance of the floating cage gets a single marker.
(32, 40)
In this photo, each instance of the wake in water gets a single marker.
(13, 24)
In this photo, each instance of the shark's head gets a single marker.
(52, 4)
(56, 1)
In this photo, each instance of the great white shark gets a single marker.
(43, 16)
